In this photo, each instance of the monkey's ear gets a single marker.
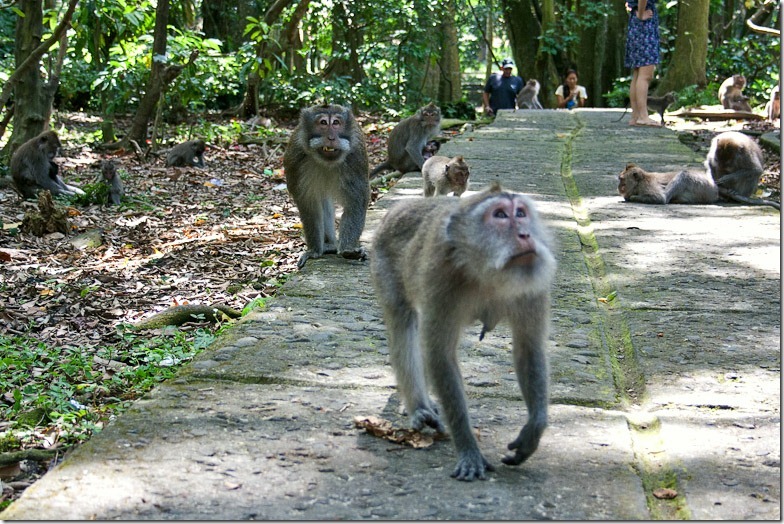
(459, 158)
(630, 165)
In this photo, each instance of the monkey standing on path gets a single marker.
(731, 94)
(658, 104)
(110, 176)
(684, 187)
(326, 159)
(442, 174)
(408, 138)
(438, 265)
(528, 97)
(33, 168)
(190, 153)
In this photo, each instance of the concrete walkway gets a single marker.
(665, 370)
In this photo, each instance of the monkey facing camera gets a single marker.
(440, 264)
(326, 161)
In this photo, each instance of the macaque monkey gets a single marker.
(408, 138)
(735, 162)
(437, 266)
(33, 168)
(731, 94)
(110, 176)
(326, 160)
(528, 97)
(773, 107)
(442, 174)
(684, 187)
(658, 104)
(430, 149)
(190, 153)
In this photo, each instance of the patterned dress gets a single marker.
(642, 38)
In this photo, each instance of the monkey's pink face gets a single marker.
(326, 139)
(510, 219)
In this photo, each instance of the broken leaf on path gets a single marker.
(379, 427)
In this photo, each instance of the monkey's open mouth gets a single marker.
(524, 258)
(328, 149)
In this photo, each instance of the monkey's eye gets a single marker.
(323, 122)
(500, 213)
(336, 122)
(520, 213)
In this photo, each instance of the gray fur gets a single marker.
(440, 264)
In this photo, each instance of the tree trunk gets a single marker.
(489, 32)
(292, 40)
(155, 83)
(523, 28)
(32, 97)
(450, 88)
(687, 66)
(545, 70)
(250, 103)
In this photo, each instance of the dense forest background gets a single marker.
(249, 57)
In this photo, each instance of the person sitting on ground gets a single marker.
(569, 94)
(501, 89)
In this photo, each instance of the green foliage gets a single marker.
(463, 110)
(76, 390)
(754, 56)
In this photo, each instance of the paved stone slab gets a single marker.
(205, 450)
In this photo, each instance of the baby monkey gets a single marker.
(437, 266)
(442, 174)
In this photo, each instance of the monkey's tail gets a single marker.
(732, 195)
(625, 110)
(383, 166)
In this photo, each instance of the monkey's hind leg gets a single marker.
(533, 376)
(406, 357)
(311, 214)
(441, 360)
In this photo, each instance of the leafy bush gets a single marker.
(462, 109)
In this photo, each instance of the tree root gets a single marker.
(178, 315)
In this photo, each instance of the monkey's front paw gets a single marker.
(472, 466)
(307, 255)
(427, 417)
(524, 445)
(356, 253)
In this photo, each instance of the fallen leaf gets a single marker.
(665, 493)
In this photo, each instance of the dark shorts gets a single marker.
(642, 41)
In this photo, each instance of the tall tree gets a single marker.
(33, 96)
(450, 87)
(263, 62)
(161, 75)
(687, 65)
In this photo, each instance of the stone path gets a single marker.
(665, 370)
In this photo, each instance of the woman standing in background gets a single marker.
(642, 55)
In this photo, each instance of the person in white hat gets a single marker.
(501, 89)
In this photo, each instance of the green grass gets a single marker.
(65, 394)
